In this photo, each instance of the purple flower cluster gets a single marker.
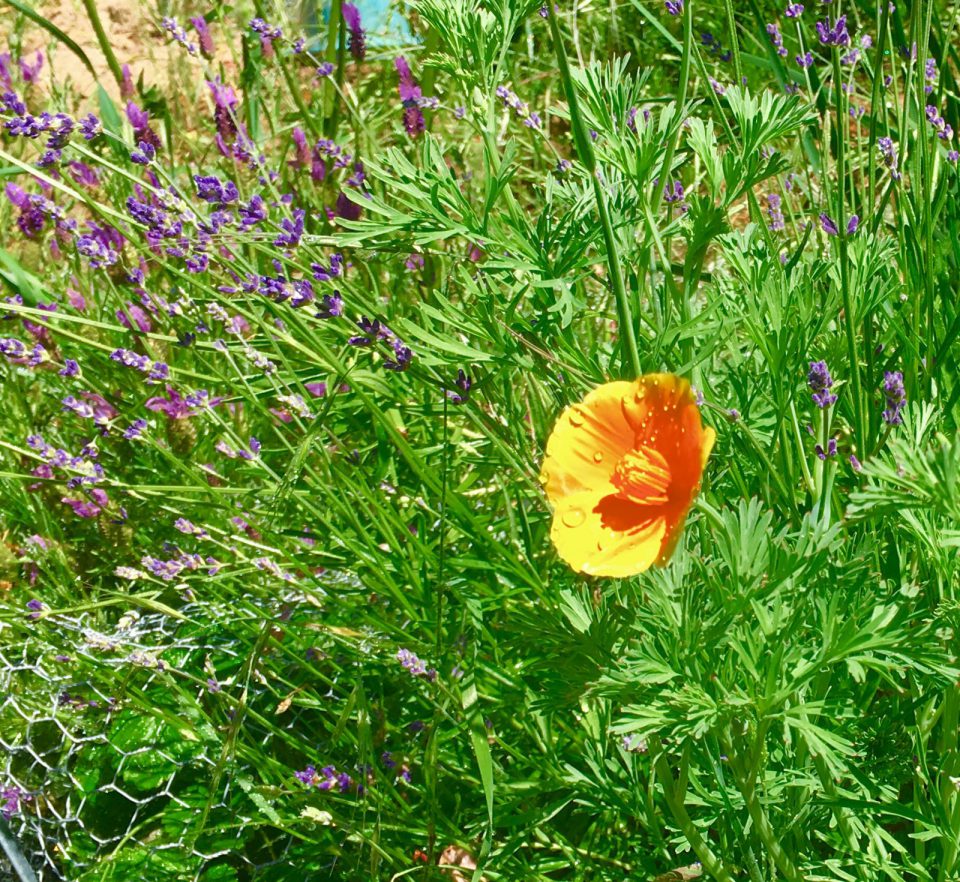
(157, 371)
(17, 352)
(204, 37)
(372, 332)
(530, 118)
(714, 47)
(835, 34)
(895, 396)
(943, 129)
(776, 38)
(415, 665)
(888, 150)
(794, 10)
(410, 98)
(460, 393)
(820, 383)
(674, 7)
(328, 778)
(12, 799)
(249, 454)
(171, 569)
(357, 43)
(172, 27)
(774, 212)
(829, 453)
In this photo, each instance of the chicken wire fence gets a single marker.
(101, 774)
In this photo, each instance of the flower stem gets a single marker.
(103, 40)
(667, 166)
(630, 357)
(712, 865)
(849, 316)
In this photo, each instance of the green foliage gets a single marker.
(337, 562)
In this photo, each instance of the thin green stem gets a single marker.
(712, 865)
(667, 166)
(849, 314)
(630, 357)
(103, 40)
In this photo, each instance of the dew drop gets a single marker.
(598, 457)
(574, 517)
(576, 417)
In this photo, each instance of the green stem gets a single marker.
(667, 166)
(734, 41)
(630, 357)
(712, 865)
(849, 315)
(103, 40)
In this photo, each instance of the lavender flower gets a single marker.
(828, 224)
(673, 192)
(896, 397)
(203, 36)
(804, 61)
(12, 798)
(357, 43)
(820, 383)
(414, 665)
(888, 151)
(776, 38)
(402, 356)
(852, 224)
(460, 394)
(774, 212)
(837, 35)
(829, 453)
(410, 95)
(172, 27)
(794, 10)
(674, 7)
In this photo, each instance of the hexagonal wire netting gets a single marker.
(87, 777)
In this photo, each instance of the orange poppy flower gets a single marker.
(622, 469)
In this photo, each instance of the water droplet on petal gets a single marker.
(598, 457)
(576, 417)
(574, 517)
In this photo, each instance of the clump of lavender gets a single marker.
(895, 396)
(674, 7)
(820, 383)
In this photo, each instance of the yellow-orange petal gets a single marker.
(588, 441)
(590, 546)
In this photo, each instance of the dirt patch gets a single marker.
(137, 40)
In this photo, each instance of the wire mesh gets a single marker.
(90, 778)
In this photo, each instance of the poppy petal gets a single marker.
(588, 441)
(593, 541)
(629, 553)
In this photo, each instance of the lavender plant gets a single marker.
(282, 342)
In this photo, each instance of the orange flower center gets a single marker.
(642, 476)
